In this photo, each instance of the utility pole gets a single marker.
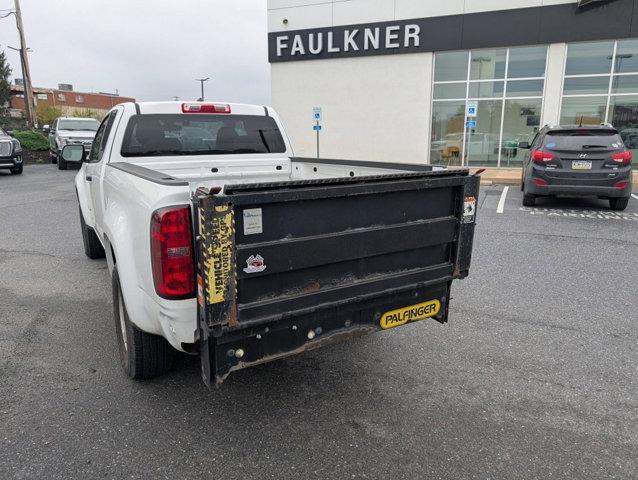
(24, 57)
(200, 80)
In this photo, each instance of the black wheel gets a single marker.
(142, 355)
(62, 164)
(529, 200)
(54, 157)
(619, 203)
(92, 246)
(17, 170)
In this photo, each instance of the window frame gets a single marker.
(106, 125)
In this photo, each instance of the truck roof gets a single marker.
(178, 107)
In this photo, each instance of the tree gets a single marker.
(5, 87)
(48, 113)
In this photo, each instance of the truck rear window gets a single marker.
(582, 140)
(174, 134)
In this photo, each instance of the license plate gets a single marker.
(401, 316)
(581, 165)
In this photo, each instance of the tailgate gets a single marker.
(284, 267)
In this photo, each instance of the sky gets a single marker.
(150, 49)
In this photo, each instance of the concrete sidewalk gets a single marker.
(512, 176)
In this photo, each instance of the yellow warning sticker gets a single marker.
(401, 316)
(218, 262)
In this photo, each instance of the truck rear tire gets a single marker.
(142, 355)
(92, 246)
(619, 203)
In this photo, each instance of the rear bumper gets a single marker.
(577, 187)
(12, 161)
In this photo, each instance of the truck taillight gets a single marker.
(205, 108)
(539, 156)
(172, 252)
(623, 157)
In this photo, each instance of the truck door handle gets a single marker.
(89, 178)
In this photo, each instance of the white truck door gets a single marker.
(94, 167)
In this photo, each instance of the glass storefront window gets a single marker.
(521, 122)
(589, 58)
(488, 64)
(450, 66)
(626, 56)
(486, 89)
(449, 90)
(582, 85)
(525, 62)
(625, 84)
(525, 88)
(623, 114)
(482, 144)
(447, 132)
(583, 110)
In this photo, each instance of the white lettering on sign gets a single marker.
(281, 44)
(315, 46)
(392, 37)
(412, 32)
(331, 47)
(349, 40)
(371, 38)
(297, 46)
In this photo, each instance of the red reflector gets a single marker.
(621, 184)
(539, 156)
(172, 252)
(205, 108)
(540, 183)
(623, 157)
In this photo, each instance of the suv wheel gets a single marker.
(529, 200)
(142, 354)
(17, 170)
(619, 203)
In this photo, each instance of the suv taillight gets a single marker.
(539, 156)
(623, 157)
(172, 253)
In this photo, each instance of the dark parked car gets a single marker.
(10, 153)
(578, 161)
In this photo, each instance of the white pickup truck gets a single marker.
(221, 243)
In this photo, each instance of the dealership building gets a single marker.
(453, 82)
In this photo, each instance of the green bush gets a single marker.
(32, 140)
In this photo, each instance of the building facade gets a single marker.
(455, 82)
(67, 101)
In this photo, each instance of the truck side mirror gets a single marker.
(524, 145)
(73, 153)
(46, 129)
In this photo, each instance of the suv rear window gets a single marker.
(582, 139)
(199, 134)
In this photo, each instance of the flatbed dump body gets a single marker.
(284, 267)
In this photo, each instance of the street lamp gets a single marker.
(202, 80)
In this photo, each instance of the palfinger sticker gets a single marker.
(401, 316)
(255, 264)
(469, 209)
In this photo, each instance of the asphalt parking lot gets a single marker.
(534, 377)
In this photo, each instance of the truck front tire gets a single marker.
(92, 246)
(61, 163)
(16, 170)
(142, 355)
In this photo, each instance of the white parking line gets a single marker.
(501, 202)
(635, 196)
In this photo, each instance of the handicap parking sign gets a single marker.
(472, 109)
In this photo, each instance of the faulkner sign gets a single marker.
(499, 28)
(325, 43)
